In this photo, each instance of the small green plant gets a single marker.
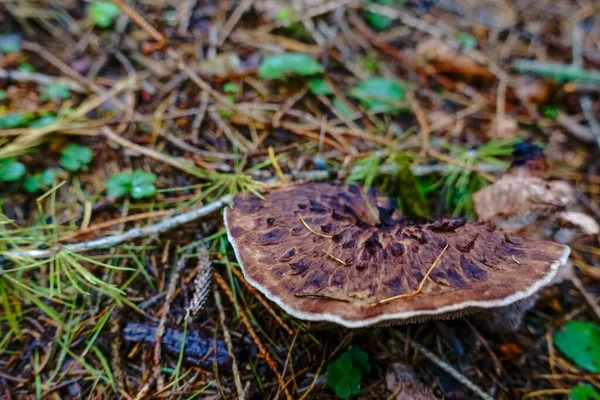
(318, 86)
(580, 341)
(75, 156)
(550, 112)
(285, 16)
(278, 66)
(41, 180)
(379, 21)
(2, 94)
(11, 170)
(55, 91)
(379, 94)
(139, 184)
(584, 392)
(15, 120)
(345, 374)
(231, 88)
(467, 41)
(43, 121)
(103, 13)
(459, 182)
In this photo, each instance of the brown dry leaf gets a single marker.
(447, 59)
(526, 203)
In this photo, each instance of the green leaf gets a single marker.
(550, 112)
(379, 94)
(143, 190)
(11, 170)
(27, 67)
(9, 43)
(370, 63)
(44, 121)
(2, 94)
(103, 13)
(467, 41)
(119, 185)
(32, 183)
(75, 156)
(345, 374)
(403, 185)
(319, 86)
(285, 16)
(15, 120)
(379, 21)
(231, 88)
(279, 65)
(138, 184)
(56, 91)
(580, 341)
(48, 177)
(584, 392)
(343, 107)
(360, 359)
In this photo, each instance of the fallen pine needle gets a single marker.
(420, 288)
(276, 164)
(312, 230)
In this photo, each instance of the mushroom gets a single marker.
(326, 252)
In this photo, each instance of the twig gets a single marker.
(227, 337)
(25, 76)
(261, 348)
(448, 368)
(109, 241)
(174, 162)
(139, 20)
(241, 8)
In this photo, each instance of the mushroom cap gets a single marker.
(327, 252)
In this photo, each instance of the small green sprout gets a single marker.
(103, 13)
(467, 41)
(15, 120)
(550, 112)
(55, 91)
(75, 156)
(138, 184)
(584, 392)
(345, 374)
(11, 170)
(379, 21)
(38, 181)
(2, 94)
(231, 88)
(278, 66)
(380, 94)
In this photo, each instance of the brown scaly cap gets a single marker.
(324, 252)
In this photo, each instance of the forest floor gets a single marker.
(119, 116)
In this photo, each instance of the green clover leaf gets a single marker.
(345, 374)
(139, 184)
(11, 170)
(75, 156)
(103, 13)
(279, 65)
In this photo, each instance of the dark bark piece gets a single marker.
(199, 348)
(349, 243)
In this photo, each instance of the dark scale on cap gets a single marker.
(397, 249)
(350, 244)
(273, 237)
(301, 266)
(472, 270)
(467, 247)
(270, 221)
(328, 227)
(288, 255)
